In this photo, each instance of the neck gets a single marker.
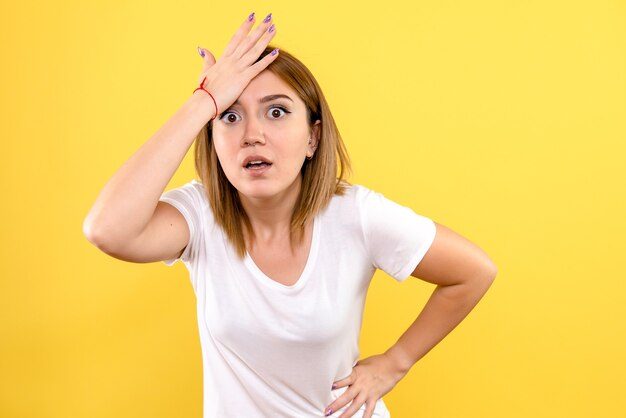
(270, 217)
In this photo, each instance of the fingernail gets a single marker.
(334, 386)
(267, 18)
(201, 52)
(275, 51)
(329, 413)
(271, 29)
(251, 16)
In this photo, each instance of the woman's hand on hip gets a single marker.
(370, 380)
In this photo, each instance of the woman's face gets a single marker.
(262, 140)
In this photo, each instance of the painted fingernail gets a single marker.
(329, 413)
(201, 52)
(251, 16)
(267, 18)
(274, 52)
(271, 29)
(334, 386)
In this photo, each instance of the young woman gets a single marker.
(280, 247)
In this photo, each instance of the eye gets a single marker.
(229, 117)
(276, 112)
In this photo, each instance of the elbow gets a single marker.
(483, 277)
(489, 275)
(92, 233)
(107, 239)
(89, 230)
(492, 270)
(95, 235)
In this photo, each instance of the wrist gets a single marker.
(202, 89)
(401, 361)
(203, 103)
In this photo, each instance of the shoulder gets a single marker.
(359, 210)
(198, 187)
(353, 194)
(192, 190)
(191, 197)
(348, 202)
(348, 193)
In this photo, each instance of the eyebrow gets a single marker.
(269, 98)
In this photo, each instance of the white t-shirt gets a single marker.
(271, 350)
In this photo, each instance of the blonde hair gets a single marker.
(322, 177)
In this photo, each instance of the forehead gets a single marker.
(264, 84)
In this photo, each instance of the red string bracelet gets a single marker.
(214, 102)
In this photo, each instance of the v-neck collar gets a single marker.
(310, 262)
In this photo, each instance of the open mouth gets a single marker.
(257, 165)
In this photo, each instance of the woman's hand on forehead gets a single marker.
(227, 77)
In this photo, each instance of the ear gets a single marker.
(315, 137)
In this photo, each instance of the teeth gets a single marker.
(256, 162)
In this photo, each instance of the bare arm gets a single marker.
(462, 273)
(127, 220)
(128, 200)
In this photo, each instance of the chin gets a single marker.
(264, 189)
(258, 189)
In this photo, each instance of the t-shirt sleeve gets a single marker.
(188, 199)
(395, 236)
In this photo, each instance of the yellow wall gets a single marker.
(504, 121)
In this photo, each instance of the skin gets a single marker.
(276, 129)
(260, 123)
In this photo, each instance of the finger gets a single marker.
(240, 35)
(207, 56)
(369, 409)
(247, 43)
(259, 66)
(341, 401)
(254, 52)
(209, 60)
(354, 407)
(348, 380)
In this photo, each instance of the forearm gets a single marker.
(126, 203)
(445, 309)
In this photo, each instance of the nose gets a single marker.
(253, 133)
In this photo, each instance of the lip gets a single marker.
(255, 158)
(257, 171)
